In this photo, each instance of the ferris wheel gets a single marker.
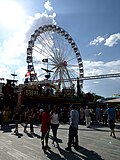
(53, 54)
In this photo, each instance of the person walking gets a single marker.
(26, 119)
(73, 128)
(6, 117)
(1, 118)
(97, 113)
(105, 116)
(82, 116)
(45, 127)
(111, 119)
(87, 117)
(16, 120)
(32, 120)
(55, 124)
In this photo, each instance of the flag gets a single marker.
(27, 74)
(45, 60)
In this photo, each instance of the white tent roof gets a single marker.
(116, 100)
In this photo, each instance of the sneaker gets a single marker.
(68, 149)
(114, 136)
(16, 131)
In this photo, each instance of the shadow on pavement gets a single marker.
(36, 135)
(100, 127)
(81, 154)
(33, 135)
(19, 135)
(7, 128)
(59, 140)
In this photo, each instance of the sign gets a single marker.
(31, 93)
(68, 92)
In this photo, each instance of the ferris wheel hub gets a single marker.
(65, 63)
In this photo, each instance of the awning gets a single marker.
(116, 100)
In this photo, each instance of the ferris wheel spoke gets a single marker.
(47, 44)
(61, 55)
(56, 46)
(63, 50)
(53, 60)
(71, 59)
(72, 65)
(48, 36)
(44, 45)
(40, 51)
(73, 73)
(55, 74)
(61, 78)
(41, 74)
(68, 75)
(66, 51)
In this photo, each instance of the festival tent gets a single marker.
(116, 100)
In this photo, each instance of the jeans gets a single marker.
(73, 133)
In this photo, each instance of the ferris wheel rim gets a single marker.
(62, 32)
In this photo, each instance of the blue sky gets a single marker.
(93, 24)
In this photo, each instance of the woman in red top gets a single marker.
(45, 127)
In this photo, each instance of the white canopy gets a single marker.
(116, 100)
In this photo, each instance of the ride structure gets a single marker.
(51, 47)
(54, 65)
(52, 57)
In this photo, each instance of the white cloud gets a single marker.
(97, 40)
(39, 19)
(96, 82)
(11, 14)
(112, 40)
(99, 53)
(48, 6)
(92, 68)
(13, 50)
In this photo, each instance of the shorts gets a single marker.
(111, 124)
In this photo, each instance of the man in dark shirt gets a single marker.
(111, 119)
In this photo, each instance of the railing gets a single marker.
(92, 77)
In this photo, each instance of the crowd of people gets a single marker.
(50, 117)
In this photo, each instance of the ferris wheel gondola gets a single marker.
(53, 44)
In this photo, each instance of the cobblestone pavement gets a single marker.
(95, 144)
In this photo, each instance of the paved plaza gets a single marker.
(95, 144)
